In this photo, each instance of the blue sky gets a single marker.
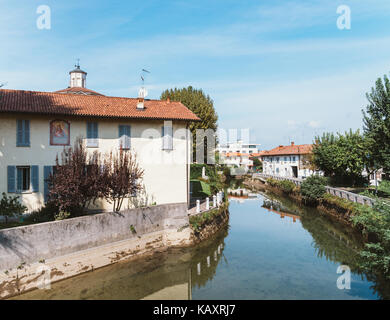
(278, 67)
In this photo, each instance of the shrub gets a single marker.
(313, 189)
(10, 206)
(286, 186)
(376, 221)
(384, 188)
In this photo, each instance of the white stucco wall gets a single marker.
(284, 168)
(165, 172)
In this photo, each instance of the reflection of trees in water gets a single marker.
(332, 241)
(206, 259)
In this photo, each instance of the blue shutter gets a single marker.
(35, 178)
(23, 133)
(92, 134)
(19, 133)
(95, 131)
(11, 173)
(124, 136)
(19, 178)
(163, 138)
(89, 130)
(26, 132)
(47, 170)
(170, 138)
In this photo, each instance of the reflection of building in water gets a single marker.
(240, 194)
(276, 207)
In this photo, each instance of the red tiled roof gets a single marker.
(15, 101)
(236, 154)
(257, 154)
(290, 150)
(79, 90)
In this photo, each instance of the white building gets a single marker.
(236, 159)
(36, 126)
(288, 161)
(237, 147)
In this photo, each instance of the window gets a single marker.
(124, 136)
(92, 135)
(23, 133)
(23, 179)
(293, 158)
(167, 136)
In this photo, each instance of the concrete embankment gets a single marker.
(35, 255)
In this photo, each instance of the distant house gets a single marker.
(288, 161)
(237, 147)
(237, 159)
(36, 126)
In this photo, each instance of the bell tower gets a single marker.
(78, 77)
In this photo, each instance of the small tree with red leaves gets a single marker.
(78, 181)
(124, 177)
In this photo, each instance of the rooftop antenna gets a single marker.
(143, 92)
(77, 65)
(3, 84)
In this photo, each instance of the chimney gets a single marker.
(140, 103)
(168, 100)
(292, 143)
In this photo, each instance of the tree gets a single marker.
(342, 157)
(257, 164)
(10, 206)
(124, 177)
(376, 120)
(200, 104)
(78, 180)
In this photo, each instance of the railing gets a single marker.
(202, 205)
(297, 181)
(357, 198)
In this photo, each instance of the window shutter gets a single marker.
(92, 134)
(26, 132)
(19, 179)
(163, 137)
(167, 137)
(19, 133)
(170, 137)
(127, 132)
(11, 173)
(47, 170)
(35, 178)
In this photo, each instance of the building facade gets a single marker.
(35, 127)
(288, 161)
(237, 147)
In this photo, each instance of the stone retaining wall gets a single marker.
(32, 243)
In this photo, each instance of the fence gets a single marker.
(357, 198)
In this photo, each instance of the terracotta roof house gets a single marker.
(288, 161)
(36, 126)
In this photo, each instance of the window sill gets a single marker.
(23, 146)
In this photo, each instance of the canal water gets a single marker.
(272, 249)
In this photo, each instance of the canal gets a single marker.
(272, 249)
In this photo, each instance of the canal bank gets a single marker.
(38, 255)
(262, 254)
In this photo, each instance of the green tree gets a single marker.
(342, 157)
(199, 103)
(376, 120)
